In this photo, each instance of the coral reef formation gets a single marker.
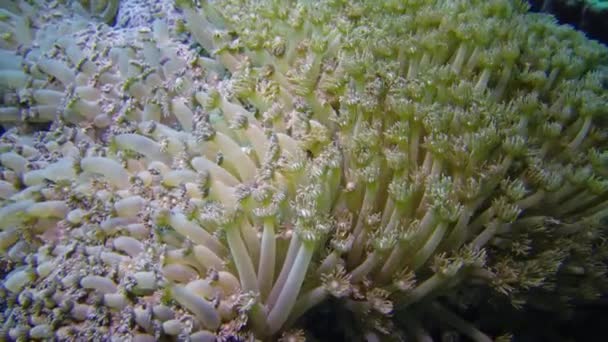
(220, 175)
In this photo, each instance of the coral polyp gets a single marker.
(224, 174)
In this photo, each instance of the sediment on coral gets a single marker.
(405, 161)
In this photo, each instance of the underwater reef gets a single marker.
(236, 170)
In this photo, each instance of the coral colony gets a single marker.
(223, 174)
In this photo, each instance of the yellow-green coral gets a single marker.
(105, 10)
(395, 157)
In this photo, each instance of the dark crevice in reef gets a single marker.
(331, 321)
(583, 321)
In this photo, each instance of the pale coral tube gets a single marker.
(112, 171)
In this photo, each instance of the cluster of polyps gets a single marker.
(386, 156)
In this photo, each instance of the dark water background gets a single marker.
(575, 13)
